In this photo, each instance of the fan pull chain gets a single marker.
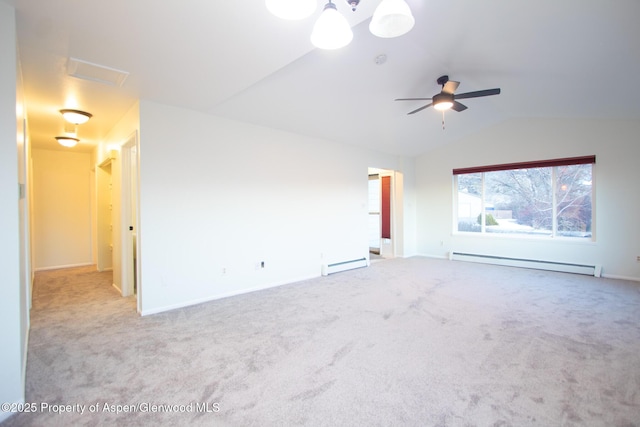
(443, 120)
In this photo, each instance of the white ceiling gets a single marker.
(551, 58)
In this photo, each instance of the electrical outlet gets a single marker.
(262, 263)
(224, 271)
(638, 258)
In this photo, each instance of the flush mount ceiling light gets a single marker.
(67, 141)
(392, 18)
(76, 117)
(332, 30)
(291, 9)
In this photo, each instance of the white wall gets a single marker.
(12, 310)
(616, 145)
(408, 211)
(61, 209)
(219, 197)
(24, 221)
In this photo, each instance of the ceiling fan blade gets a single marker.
(419, 109)
(450, 87)
(458, 106)
(413, 99)
(477, 94)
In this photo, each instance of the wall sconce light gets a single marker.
(76, 117)
(67, 141)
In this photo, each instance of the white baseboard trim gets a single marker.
(58, 267)
(224, 295)
(433, 256)
(327, 269)
(618, 277)
(117, 288)
(538, 264)
(25, 354)
(607, 276)
(406, 256)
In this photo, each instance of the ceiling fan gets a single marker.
(446, 99)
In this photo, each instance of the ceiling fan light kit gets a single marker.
(392, 18)
(442, 101)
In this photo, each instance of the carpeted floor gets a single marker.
(404, 342)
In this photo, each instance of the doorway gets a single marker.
(104, 213)
(384, 225)
(131, 283)
(374, 215)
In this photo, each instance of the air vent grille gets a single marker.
(96, 73)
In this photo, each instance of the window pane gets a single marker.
(469, 201)
(519, 201)
(573, 200)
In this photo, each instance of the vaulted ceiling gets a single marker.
(562, 59)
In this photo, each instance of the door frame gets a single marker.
(392, 247)
(130, 211)
(104, 214)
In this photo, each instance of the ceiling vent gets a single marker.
(96, 73)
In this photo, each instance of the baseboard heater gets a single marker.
(590, 270)
(343, 266)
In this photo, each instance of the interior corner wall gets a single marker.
(119, 134)
(61, 209)
(12, 312)
(616, 206)
(218, 198)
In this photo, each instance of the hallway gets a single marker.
(72, 311)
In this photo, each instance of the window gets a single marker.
(545, 198)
